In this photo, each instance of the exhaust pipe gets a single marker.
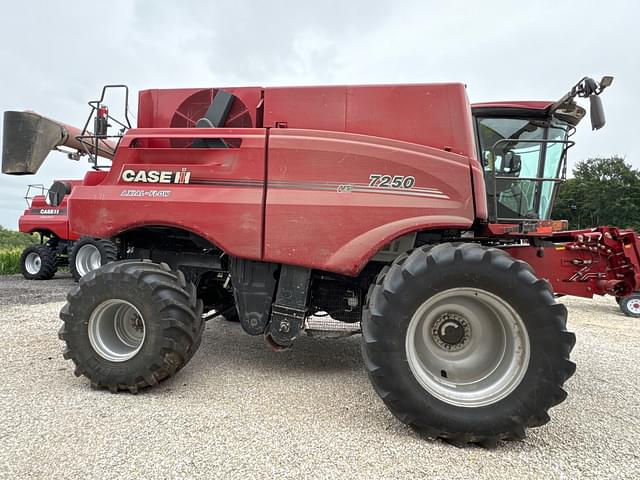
(29, 137)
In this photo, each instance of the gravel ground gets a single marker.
(240, 411)
(15, 290)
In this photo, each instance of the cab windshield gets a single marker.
(523, 161)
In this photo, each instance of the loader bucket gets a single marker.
(27, 140)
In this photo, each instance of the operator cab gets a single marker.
(523, 149)
(523, 152)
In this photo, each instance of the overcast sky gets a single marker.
(55, 56)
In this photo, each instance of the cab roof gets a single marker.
(527, 104)
(536, 109)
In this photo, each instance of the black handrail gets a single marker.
(494, 215)
(91, 141)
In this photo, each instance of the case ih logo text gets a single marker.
(49, 211)
(156, 176)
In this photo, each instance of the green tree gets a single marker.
(604, 191)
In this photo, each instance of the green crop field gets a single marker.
(11, 245)
(10, 261)
(10, 239)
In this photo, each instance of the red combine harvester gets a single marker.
(47, 215)
(365, 203)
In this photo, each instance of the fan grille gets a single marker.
(195, 106)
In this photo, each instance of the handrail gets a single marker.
(495, 177)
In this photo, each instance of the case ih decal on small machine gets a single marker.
(393, 205)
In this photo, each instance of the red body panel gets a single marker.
(314, 175)
(435, 115)
(223, 201)
(41, 217)
(322, 212)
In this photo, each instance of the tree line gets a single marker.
(603, 191)
(10, 239)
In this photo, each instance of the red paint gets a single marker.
(341, 231)
(335, 135)
(584, 263)
(435, 115)
(32, 221)
(229, 216)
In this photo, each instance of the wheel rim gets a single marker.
(467, 347)
(33, 263)
(633, 305)
(88, 259)
(116, 330)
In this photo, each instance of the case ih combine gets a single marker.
(368, 203)
(47, 216)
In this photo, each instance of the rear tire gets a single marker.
(131, 324)
(464, 343)
(38, 262)
(630, 305)
(88, 254)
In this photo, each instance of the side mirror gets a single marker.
(605, 82)
(567, 109)
(597, 113)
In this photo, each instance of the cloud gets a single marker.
(56, 57)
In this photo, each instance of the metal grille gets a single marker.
(328, 324)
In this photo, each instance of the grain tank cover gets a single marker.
(435, 115)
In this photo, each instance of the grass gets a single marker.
(10, 261)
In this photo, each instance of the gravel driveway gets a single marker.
(240, 411)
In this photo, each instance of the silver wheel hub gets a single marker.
(116, 330)
(633, 306)
(451, 332)
(88, 259)
(33, 263)
(467, 347)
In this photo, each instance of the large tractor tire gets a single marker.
(38, 262)
(89, 254)
(630, 305)
(131, 324)
(463, 342)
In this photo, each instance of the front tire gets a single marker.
(464, 343)
(38, 262)
(630, 305)
(131, 324)
(89, 254)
